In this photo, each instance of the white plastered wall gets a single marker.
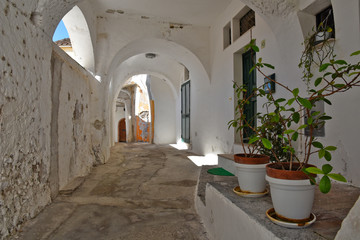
(165, 115)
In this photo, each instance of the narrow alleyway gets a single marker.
(143, 192)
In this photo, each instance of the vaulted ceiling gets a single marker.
(196, 12)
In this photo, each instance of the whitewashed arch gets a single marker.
(80, 36)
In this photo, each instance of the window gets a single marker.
(249, 80)
(324, 20)
(247, 22)
(185, 112)
(227, 35)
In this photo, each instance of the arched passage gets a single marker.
(118, 72)
(162, 115)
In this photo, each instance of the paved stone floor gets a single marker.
(143, 192)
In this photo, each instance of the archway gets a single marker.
(119, 71)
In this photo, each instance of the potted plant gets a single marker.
(334, 77)
(250, 165)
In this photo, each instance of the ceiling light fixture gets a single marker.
(150, 55)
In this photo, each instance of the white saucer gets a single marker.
(238, 191)
(270, 213)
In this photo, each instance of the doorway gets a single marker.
(122, 130)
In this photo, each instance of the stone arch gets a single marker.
(171, 49)
(159, 46)
(119, 87)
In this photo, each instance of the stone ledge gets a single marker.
(224, 213)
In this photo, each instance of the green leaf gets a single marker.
(324, 67)
(295, 92)
(260, 60)
(295, 136)
(252, 69)
(321, 153)
(296, 117)
(317, 81)
(314, 170)
(325, 184)
(317, 144)
(255, 48)
(340, 62)
(269, 65)
(355, 53)
(276, 118)
(310, 120)
(290, 101)
(262, 92)
(267, 144)
(339, 85)
(289, 131)
(306, 103)
(337, 177)
(253, 139)
(327, 101)
(327, 168)
(353, 73)
(327, 156)
(280, 100)
(302, 126)
(331, 148)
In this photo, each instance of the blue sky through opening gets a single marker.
(60, 32)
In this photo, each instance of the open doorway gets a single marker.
(122, 130)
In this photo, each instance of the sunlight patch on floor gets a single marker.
(209, 159)
(180, 145)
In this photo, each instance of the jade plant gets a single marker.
(334, 76)
(263, 139)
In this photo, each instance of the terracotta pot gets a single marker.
(282, 171)
(251, 159)
(291, 192)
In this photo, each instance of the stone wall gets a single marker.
(71, 108)
(24, 118)
(35, 107)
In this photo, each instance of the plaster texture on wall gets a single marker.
(280, 8)
(24, 117)
(74, 139)
(350, 227)
(224, 220)
(164, 128)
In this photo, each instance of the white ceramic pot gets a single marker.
(322, 36)
(251, 177)
(292, 199)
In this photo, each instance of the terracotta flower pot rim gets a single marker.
(274, 172)
(242, 158)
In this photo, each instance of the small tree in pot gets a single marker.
(335, 77)
(250, 165)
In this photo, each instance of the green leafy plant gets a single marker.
(244, 126)
(335, 77)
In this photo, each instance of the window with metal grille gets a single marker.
(247, 22)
